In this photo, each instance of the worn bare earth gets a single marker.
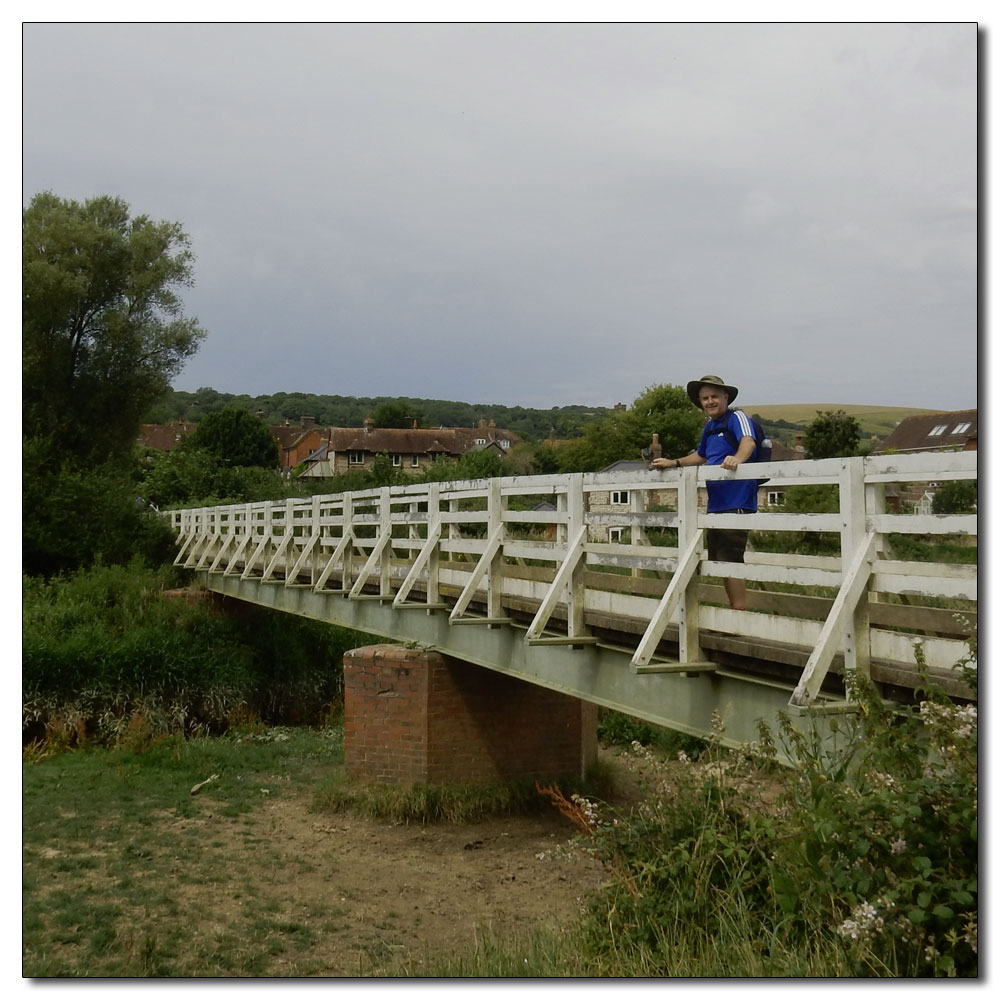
(393, 899)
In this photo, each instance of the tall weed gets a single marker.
(863, 863)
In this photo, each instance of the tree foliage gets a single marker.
(234, 437)
(661, 409)
(833, 434)
(397, 413)
(103, 331)
(77, 516)
(351, 411)
(959, 496)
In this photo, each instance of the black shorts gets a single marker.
(728, 544)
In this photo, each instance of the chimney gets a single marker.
(414, 423)
(655, 448)
(308, 423)
(369, 424)
(799, 446)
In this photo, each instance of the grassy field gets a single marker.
(878, 420)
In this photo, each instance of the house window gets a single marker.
(505, 444)
(397, 460)
(775, 498)
(355, 458)
(937, 431)
(480, 440)
(615, 534)
(619, 496)
(415, 461)
(961, 428)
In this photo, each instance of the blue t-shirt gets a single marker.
(727, 494)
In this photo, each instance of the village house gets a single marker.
(410, 449)
(954, 430)
(330, 451)
(164, 437)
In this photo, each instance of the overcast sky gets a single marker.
(541, 214)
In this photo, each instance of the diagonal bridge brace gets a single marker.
(853, 587)
(574, 552)
(478, 574)
(686, 567)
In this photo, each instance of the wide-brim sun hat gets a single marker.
(694, 387)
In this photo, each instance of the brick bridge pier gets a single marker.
(413, 716)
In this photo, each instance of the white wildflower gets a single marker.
(863, 922)
(971, 935)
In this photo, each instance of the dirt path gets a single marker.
(405, 896)
(378, 898)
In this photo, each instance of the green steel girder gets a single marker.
(595, 672)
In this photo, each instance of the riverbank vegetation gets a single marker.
(860, 865)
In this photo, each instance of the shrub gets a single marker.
(74, 517)
(104, 645)
(864, 861)
(618, 729)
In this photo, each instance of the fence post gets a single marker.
(494, 573)
(853, 520)
(575, 595)
(688, 612)
(434, 559)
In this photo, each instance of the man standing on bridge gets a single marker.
(727, 440)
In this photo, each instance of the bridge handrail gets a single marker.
(465, 538)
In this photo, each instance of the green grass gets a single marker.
(878, 420)
(114, 844)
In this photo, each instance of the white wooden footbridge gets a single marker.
(518, 575)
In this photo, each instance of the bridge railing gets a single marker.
(575, 552)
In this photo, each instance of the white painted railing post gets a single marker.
(688, 614)
(494, 574)
(385, 531)
(575, 526)
(434, 556)
(315, 534)
(853, 515)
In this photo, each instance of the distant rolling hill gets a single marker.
(877, 420)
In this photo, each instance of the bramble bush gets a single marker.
(105, 646)
(862, 862)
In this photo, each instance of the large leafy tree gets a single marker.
(664, 410)
(235, 437)
(833, 434)
(397, 413)
(103, 331)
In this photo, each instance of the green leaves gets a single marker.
(235, 437)
(833, 434)
(102, 328)
(664, 410)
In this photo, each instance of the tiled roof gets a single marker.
(626, 465)
(164, 437)
(934, 432)
(414, 441)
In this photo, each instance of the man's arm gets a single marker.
(673, 463)
(743, 452)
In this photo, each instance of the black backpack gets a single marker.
(762, 451)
